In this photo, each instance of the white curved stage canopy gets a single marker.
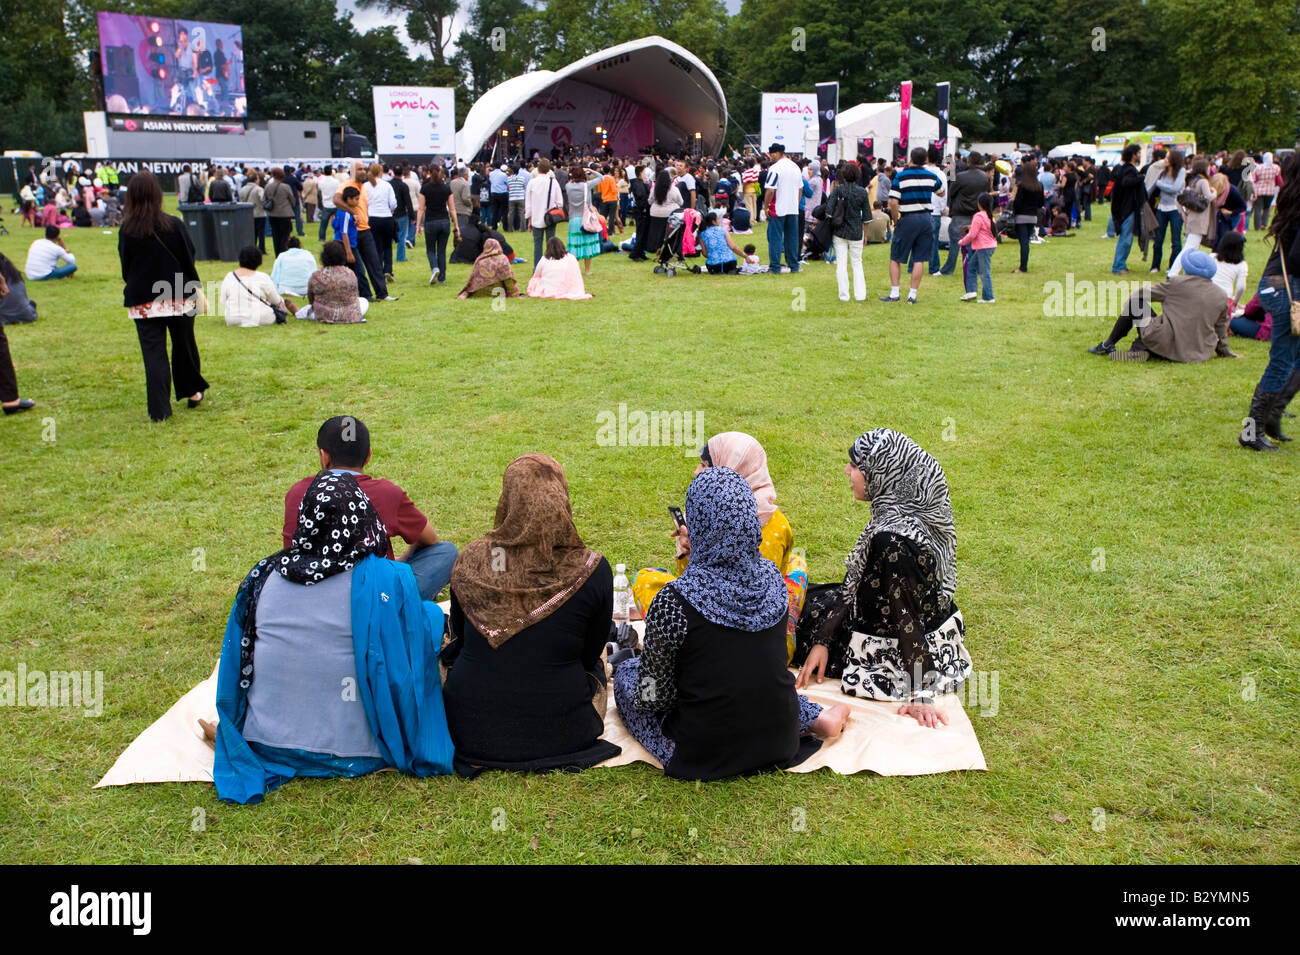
(645, 92)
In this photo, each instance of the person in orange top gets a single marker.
(608, 189)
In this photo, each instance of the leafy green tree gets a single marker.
(427, 21)
(495, 45)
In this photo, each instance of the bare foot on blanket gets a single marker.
(830, 724)
(209, 731)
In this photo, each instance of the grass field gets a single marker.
(1125, 568)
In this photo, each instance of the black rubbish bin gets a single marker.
(198, 223)
(233, 227)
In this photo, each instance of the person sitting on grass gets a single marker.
(891, 631)
(1231, 271)
(293, 268)
(720, 250)
(743, 454)
(558, 274)
(49, 258)
(329, 661)
(247, 295)
(530, 616)
(343, 443)
(332, 297)
(15, 307)
(710, 696)
(491, 271)
(1192, 325)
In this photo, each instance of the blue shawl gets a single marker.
(396, 638)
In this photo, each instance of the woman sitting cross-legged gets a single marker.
(491, 271)
(332, 290)
(530, 615)
(744, 455)
(329, 665)
(557, 274)
(710, 695)
(891, 631)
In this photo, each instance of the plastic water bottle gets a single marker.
(622, 594)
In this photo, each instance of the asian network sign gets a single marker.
(786, 118)
(417, 120)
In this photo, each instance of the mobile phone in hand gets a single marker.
(676, 513)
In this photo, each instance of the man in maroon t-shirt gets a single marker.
(344, 445)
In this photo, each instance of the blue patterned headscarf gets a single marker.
(727, 580)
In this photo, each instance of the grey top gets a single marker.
(16, 308)
(281, 193)
(577, 193)
(305, 693)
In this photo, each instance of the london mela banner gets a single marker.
(416, 120)
(786, 119)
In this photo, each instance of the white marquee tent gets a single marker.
(651, 74)
(879, 121)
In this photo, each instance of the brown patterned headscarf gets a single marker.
(531, 562)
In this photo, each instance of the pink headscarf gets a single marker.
(744, 455)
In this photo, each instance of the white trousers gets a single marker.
(847, 251)
(1191, 242)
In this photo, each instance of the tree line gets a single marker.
(1040, 71)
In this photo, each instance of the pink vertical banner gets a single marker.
(904, 112)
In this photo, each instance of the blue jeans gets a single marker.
(1123, 244)
(410, 230)
(326, 214)
(402, 223)
(955, 225)
(1110, 227)
(983, 266)
(1284, 352)
(297, 219)
(783, 236)
(1173, 221)
(432, 568)
(936, 223)
(62, 272)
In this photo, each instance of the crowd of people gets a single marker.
(517, 676)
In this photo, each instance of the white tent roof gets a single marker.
(1076, 148)
(880, 122)
(663, 77)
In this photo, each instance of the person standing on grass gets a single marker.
(1127, 195)
(156, 254)
(280, 215)
(785, 184)
(849, 205)
(326, 187)
(1198, 221)
(542, 194)
(1264, 180)
(437, 219)
(367, 249)
(251, 191)
(981, 239)
(9, 398)
(381, 203)
(461, 192)
(911, 198)
(346, 201)
(969, 183)
(1279, 289)
(405, 213)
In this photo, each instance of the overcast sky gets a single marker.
(369, 19)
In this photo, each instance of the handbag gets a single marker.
(267, 202)
(1192, 199)
(590, 217)
(279, 311)
(1295, 306)
(555, 214)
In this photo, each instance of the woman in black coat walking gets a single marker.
(162, 295)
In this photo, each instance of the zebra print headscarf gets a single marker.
(909, 497)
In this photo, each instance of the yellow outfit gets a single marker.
(777, 545)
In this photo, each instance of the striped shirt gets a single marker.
(914, 188)
(518, 186)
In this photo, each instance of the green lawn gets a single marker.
(1122, 688)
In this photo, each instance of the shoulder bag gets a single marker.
(1295, 306)
(555, 214)
(279, 311)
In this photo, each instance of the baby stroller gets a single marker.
(670, 258)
